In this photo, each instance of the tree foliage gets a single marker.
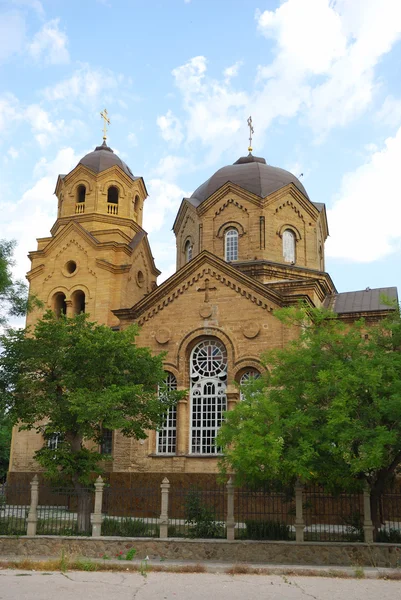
(75, 378)
(328, 409)
(13, 294)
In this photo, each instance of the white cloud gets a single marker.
(45, 130)
(170, 166)
(323, 71)
(50, 44)
(13, 152)
(164, 198)
(365, 219)
(390, 112)
(36, 209)
(12, 34)
(232, 71)
(9, 111)
(86, 85)
(170, 128)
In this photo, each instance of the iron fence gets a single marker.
(131, 512)
(332, 517)
(389, 516)
(264, 514)
(14, 508)
(64, 511)
(198, 512)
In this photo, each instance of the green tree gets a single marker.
(73, 378)
(5, 443)
(13, 294)
(327, 411)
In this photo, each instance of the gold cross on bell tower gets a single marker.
(106, 122)
(251, 131)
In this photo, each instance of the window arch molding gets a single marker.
(81, 181)
(231, 225)
(57, 290)
(247, 364)
(192, 339)
(188, 238)
(294, 230)
(113, 183)
(80, 288)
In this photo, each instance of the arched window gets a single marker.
(167, 435)
(106, 445)
(78, 302)
(59, 304)
(136, 204)
(112, 194)
(247, 377)
(81, 193)
(289, 246)
(231, 244)
(188, 251)
(208, 374)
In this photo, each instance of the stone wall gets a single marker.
(284, 553)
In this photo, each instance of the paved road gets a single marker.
(22, 585)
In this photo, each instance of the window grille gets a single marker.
(54, 441)
(208, 395)
(231, 244)
(106, 446)
(167, 436)
(246, 378)
(289, 246)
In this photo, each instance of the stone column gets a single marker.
(367, 516)
(70, 309)
(182, 426)
(96, 516)
(33, 509)
(299, 517)
(165, 487)
(230, 510)
(232, 395)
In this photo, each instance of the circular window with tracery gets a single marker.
(209, 359)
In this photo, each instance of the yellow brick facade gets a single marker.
(206, 299)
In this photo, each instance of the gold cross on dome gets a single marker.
(206, 289)
(106, 120)
(251, 131)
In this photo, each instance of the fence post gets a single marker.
(33, 508)
(165, 487)
(230, 510)
(299, 517)
(367, 516)
(96, 516)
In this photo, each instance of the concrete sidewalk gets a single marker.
(82, 563)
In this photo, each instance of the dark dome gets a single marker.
(250, 173)
(103, 158)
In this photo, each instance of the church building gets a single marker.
(249, 240)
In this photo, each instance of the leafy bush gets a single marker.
(268, 530)
(128, 528)
(389, 536)
(201, 518)
(51, 527)
(12, 527)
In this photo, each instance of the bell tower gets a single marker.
(98, 257)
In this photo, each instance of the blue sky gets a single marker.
(321, 78)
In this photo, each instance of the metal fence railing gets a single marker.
(14, 508)
(59, 509)
(264, 515)
(131, 512)
(198, 512)
(207, 510)
(332, 517)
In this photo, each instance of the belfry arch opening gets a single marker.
(81, 194)
(78, 302)
(112, 194)
(59, 304)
